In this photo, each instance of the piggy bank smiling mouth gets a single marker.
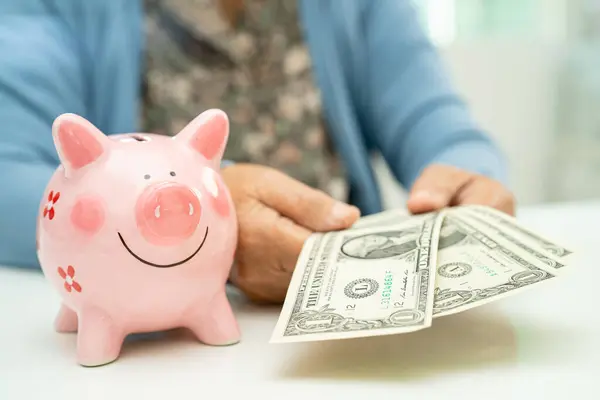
(163, 265)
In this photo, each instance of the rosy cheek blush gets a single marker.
(87, 214)
(217, 192)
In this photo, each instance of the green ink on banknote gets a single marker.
(386, 291)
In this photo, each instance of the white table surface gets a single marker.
(542, 344)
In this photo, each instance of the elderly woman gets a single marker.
(312, 88)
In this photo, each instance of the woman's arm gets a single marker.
(40, 77)
(413, 113)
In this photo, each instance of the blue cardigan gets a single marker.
(383, 84)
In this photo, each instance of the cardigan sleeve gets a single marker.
(40, 77)
(413, 113)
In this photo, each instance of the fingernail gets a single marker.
(341, 211)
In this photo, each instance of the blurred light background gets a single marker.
(530, 70)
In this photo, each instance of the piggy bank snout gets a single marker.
(168, 213)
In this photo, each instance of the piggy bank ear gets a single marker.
(78, 142)
(207, 134)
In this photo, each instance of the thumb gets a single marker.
(306, 206)
(436, 188)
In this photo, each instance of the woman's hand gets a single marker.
(276, 214)
(442, 185)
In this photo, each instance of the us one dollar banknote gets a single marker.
(363, 282)
(508, 227)
(477, 265)
(394, 273)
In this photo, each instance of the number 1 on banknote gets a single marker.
(363, 282)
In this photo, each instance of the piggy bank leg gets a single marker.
(99, 340)
(214, 323)
(66, 320)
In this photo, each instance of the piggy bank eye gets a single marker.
(140, 138)
(172, 173)
(146, 176)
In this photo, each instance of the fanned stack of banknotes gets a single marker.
(394, 273)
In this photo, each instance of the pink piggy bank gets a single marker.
(138, 232)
